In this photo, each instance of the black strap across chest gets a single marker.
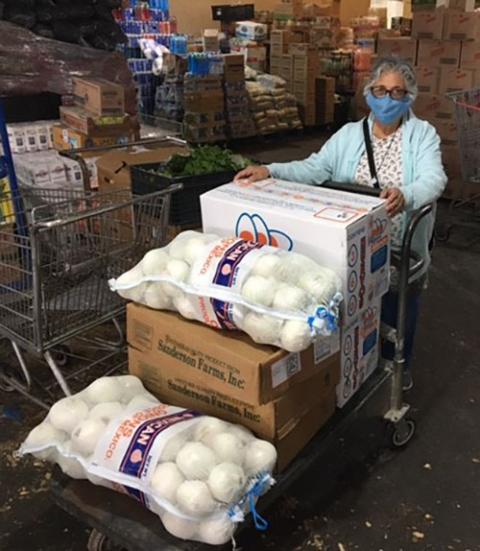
(371, 158)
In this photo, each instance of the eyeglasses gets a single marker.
(394, 93)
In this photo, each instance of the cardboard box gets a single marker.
(204, 102)
(427, 78)
(448, 131)
(354, 230)
(404, 48)
(455, 80)
(424, 5)
(227, 362)
(99, 97)
(270, 421)
(360, 350)
(325, 100)
(433, 107)
(255, 56)
(462, 26)
(438, 52)
(428, 24)
(67, 138)
(470, 58)
(211, 40)
(302, 49)
(250, 30)
(459, 5)
(288, 9)
(95, 127)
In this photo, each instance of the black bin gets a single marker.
(185, 206)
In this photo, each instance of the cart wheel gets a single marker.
(403, 433)
(61, 355)
(99, 542)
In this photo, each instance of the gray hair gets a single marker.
(394, 64)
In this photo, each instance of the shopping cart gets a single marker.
(467, 115)
(58, 249)
(119, 524)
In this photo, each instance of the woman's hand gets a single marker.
(395, 201)
(253, 174)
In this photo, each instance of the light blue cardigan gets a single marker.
(423, 176)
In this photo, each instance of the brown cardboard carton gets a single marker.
(203, 102)
(99, 97)
(433, 107)
(448, 131)
(462, 26)
(234, 70)
(404, 48)
(459, 5)
(438, 52)
(270, 421)
(455, 80)
(302, 49)
(228, 363)
(470, 58)
(427, 78)
(93, 126)
(428, 24)
(211, 40)
(67, 138)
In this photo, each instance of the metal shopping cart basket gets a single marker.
(58, 249)
(467, 114)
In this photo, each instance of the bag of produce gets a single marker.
(199, 474)
(277, 297)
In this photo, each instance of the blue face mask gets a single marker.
(387, 110)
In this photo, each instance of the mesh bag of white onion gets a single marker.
(199, 474)
(277, 297)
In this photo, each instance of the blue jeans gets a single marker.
(389, 316)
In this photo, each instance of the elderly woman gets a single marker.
(391, 150)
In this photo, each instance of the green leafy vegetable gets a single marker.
(205, 159)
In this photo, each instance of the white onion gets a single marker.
(226, 482)
(142, 402)
(208, 427)
(105, 389)
(170, 290)
(86, 435)
(194, 249)
(106, 412)
(196, 461)
(260, 456)
(67, 412)
(173, 446)
(261, 328)
(131, 385)
(155, 262)
(259, 290)
(322, 284)
(155, 296)
(266, 265)
(178, 269)
(179, 527)
(69, 465)
(217, 531)
(194, 498)
(45, 435)
(293, 266)
(228, 448)
(243, 434)
(296, 336)
(132, 277)
(290, 298)
(184, 306)
(166, 480)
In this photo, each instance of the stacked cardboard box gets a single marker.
(204, 119)
(325, 100)
(98, 117)
(306, 68)
(239, 120)
(447, 62)
(285, 398)
(31, 136)
(355, 245)
(288, 9)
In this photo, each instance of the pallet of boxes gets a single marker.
(445, 49)
(204, 119)
(169, 100)
(97, 117)
(239, 120)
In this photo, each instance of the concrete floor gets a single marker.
(423, 498)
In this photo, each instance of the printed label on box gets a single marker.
(285, 369)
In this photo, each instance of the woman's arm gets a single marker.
(314, 170)
(430, 179)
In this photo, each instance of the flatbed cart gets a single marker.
(377, 411)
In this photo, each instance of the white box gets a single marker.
(360, 352)
(16, 138)
(346, 232)
(31, 138)
(249, 30)
(56, 168)
(43, 137)
(74, 173)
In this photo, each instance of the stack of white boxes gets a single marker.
(345, 232)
